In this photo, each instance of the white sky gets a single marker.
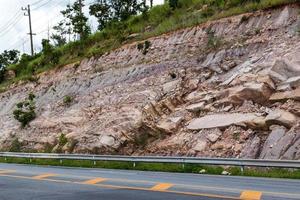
(14, 25)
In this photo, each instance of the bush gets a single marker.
(25, 111)
(15, 146)
(213, 41)
(144, 47)
(67, 100)
(2, 74)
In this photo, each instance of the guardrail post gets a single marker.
(242, 169)
(94, 161)
(133, 164)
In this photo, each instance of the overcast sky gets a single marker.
(14, 25)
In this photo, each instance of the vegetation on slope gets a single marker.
(158, 20)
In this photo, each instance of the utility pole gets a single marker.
(27, 13)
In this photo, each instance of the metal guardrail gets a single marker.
(160, 159)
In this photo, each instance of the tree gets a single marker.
(59, 38)
(173, 4)
(123, 9)
(102, 11)
(77, 20)
(107, 11)
(7, 58)
(50, 55)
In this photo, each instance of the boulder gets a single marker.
(200, 145)
(107, 140)
(281, 117)
(224, 120)
(196, 107)
(197, 96)
(277, 133)
(251, 148)
(293, 82)
(214, 135)
(169, 125)
(256, 92)
(170, 86)
(283, 69)
(286, 146)
(283, 96)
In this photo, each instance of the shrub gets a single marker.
(2, 74)
(244, 19)
(213, 41)
(25, 111)
(67, 100)
(15, 146)
(144, 47)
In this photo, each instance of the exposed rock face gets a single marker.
(182, 98)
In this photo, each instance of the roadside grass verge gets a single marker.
(160, 167)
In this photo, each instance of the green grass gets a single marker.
(162, 167)
(160, 19)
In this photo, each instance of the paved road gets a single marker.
(24, 182)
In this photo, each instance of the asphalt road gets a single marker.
(24, 182)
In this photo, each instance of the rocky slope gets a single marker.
(227, 88)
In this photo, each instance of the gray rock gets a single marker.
(223, 120)
(196, 107)
(283, 96)
(200, 145)
(256, 92)
(281, 117)
(251, 148)
(277, 133)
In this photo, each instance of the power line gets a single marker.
(42, 5)
(37, 2)
(9, 21)
(10, 26)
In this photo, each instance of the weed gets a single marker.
(62, 140)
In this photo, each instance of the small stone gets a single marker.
(226, 173)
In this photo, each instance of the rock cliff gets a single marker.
(226, 88)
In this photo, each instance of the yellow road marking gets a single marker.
(6, 171)
(161, 186)
(251, 195)
(42, 176)
(126, 187)
(94, 181)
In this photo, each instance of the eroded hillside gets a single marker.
(226, 88)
